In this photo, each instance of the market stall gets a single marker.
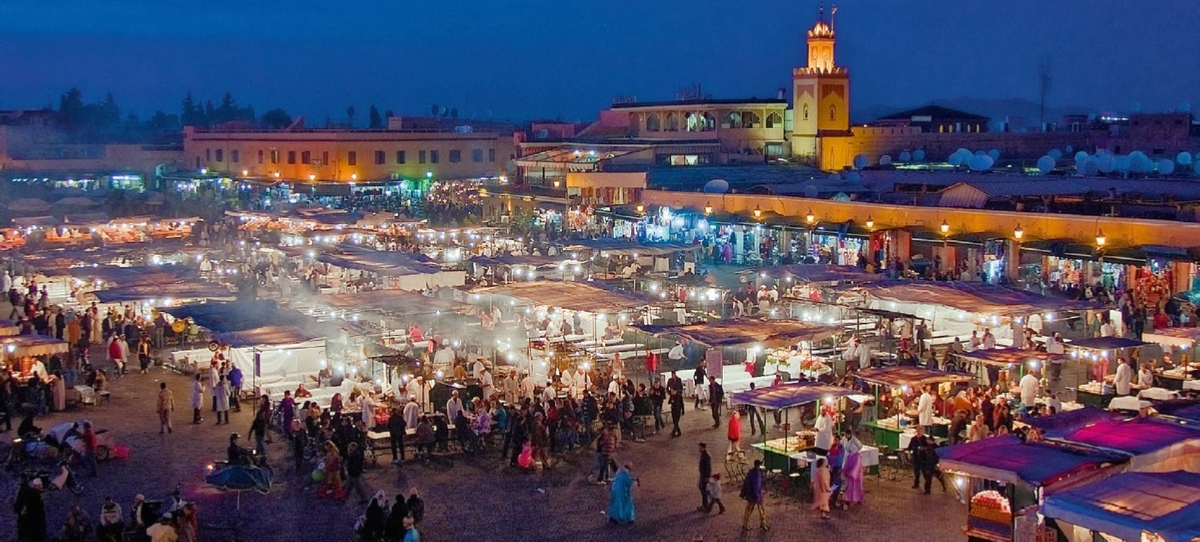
(1005, 479)
(1152, 444)
(896, 430)
(1102, 353)
(1179, 342)
(1133, 506)
(1010, 364)
(26, 354)
(794, 450)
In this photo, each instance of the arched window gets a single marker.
(652, 122)
(805, 111)
(733, 119)
(691, 122)
(832, 112)
(672, 122)
(751, 119)
(710, 122)
(774, 121)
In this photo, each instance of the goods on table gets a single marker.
(1097, 388)
(992, 506)
(813, 368)
(790, 446)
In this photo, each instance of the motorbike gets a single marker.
(61, 477)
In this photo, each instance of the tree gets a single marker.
(190, 114)
(454, 112)
(70, 108)
(110, 113)
(276, 119)
(227, 111)
(350, 115)
(376, 121)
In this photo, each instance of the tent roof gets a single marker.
(972, 297)
(1063, 423)
(237, 315)
(1007, 459)
(788, 395)
(33, 345)
(1138, 436)
(126, 276)
(392, 264)
(576, 296)
(8, 328)
(909, 376)
(747, 331)
(819, 273)
(394, 302)
(265, 336)
(509, 259)
(1010, 356)
(1106, 343)
(624, 248)
(177, 290)
(1125, 505)
(1187, 410)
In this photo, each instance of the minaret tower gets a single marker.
(821, 99)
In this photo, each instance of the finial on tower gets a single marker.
(832, 13)
(821, 11)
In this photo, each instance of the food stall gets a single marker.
(1102, 353)
(1008, 360)
(1004, 479)
(896, 431)
(8, 328)
(1153, 444)
(793, 451)
(1134, 506)
(1179, 342)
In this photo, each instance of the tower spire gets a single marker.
(832, 14)
(821, 11)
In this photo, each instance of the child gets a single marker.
(714, 493)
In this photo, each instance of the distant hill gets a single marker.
(1020, 112)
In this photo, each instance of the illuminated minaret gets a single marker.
(821, 95)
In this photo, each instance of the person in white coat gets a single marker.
(368, 411)
(824, 430)
(1123, 380)
(487, 384)
(453, 406)
(197, 399)
(419, 392)
(925, 409)
(527, 387)
(1029, 389)
(412, 413)
(221, 396)
(580, 383)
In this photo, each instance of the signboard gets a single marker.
(714, 362)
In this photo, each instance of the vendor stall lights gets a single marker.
(810, 217)
(945, 227)
(1018, 233)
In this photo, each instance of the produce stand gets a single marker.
(893, 431)
(777, 454)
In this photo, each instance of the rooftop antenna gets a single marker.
(1044, 81)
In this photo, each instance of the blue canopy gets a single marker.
(1057, 425)
(237, 315)
(806, 272)
(1008, 459)
(1106, 343)
(177, 290)
(265, 336)
(1187, 410)
(241, 478)
(788, 395)
(1126, 505)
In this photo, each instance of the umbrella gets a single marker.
(76, 201)
(28, 205)
(241, 478)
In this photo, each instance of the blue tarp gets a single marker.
(265, 336)
(1008, 459)
(1106, 343)
(788, 395)
(1139, 436)
(1128, 504)
(236, 316)
(177, 290)
(1063, 423)
(1188, 410)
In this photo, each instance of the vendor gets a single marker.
(1145, 378)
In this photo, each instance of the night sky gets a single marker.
(520, 59)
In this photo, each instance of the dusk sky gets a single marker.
(524, 59)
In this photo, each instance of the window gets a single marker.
(491, 155)
(805, 111)
(421, 157)
(291, 157)
(434, 155)
(832, 112)
(710, 122)
(672, 122)
(235, 156)
(400, 157)
(220, 155)
(352, 158)
(733, 119)
(774, 121)
(380, 158)
(750, 119)
(208, 155)
(652, 122)
(305, 157)
(274, 156)
(260, 156)
(455, 156)
(476, 155)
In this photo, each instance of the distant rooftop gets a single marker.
(934, 112)
(709, 101)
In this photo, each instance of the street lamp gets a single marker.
(641, 209)
(312, 176)
(810, 217)
(757, 211)
(708, 209)
(557, 183)
(945, 227)
(353, 176)
(245, 172)
(1018, 233)
(1101, 240)
(870, 222)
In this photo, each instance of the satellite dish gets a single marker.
(1139, 162)
(854, 177)
(1090, 167)
(906, 156)
(1068, 149)
(1166, 166)
(1105, 163)
(994, 153)
(955, 159)
(1184, 158)
(1081, 161)
(861, 161)
(1185, 107)
(885, 160)
(810, 191)
(1121, 163)
(980, 152)
(1046, 164)
(716, 186)
(1081, 156)
(835, 177)
(919, 155)
(979, 163)
(840, 196)
(1055, 154)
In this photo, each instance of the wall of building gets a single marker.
(1083, 229)
(349, 155)
(34, 150)
(838, 153)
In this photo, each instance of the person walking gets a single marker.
(735, 435)
(821, 488)
(620, 503)
(88, 459)
(30, 511)
(221, 399)
(705, 474)
(716, 397)
(676, 401)
(287, 409)
(658, 395)
(143, 352)
(258, 431)
(354, 471)
(698, 382)
(166, 405)
(917, 448)
(752, 493)
(197, 400)
(396, 427)
(756, 417)
(235, 387)
(714, 493)
(852, 468)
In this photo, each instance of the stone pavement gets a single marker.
(477, 498)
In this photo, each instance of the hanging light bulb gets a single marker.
(708, 209)
(1018, 233)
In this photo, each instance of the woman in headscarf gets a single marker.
(393, 528)
(374, 519)
(852, 469)
(620, 501)
(333, 473)
(821, 489)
